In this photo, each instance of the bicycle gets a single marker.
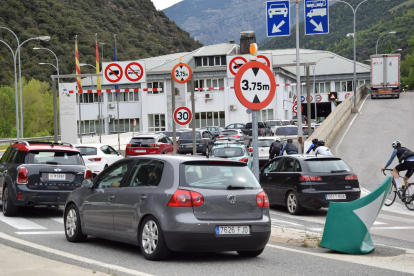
(407, 200)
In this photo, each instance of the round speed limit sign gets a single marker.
(182, 115)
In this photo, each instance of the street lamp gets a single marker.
(354, 35)
(396, 50)
(376, 45)
(102, 43)
(314, 88)
(44, 63)
(57, 60)
(86, 64)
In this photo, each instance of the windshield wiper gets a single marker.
(230, 187)
(52, 163)
(339, 171)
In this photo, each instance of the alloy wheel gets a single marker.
(71, 223)
(5, 199)
(150, 237)
(292, 202)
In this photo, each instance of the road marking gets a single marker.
(393, 228)
(40, 233)
(395, 263)
(285, 222)
(60, 220)
(21, 223)
(71, 256)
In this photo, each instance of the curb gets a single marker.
(296, 237)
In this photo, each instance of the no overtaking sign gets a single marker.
(122, 72)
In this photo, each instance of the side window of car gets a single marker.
(287, 165)
(146, 172)
(20, 157)
(169, 141)
(112, 150)
(297, 166)
(272, 167)
(6, 155)
(12, 155)
(105, 149)
(112, 177)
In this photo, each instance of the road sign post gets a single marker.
(316, 17)
(277, 18)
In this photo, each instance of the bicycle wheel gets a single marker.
(391, 196)
(409, 202)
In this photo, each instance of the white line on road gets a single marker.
(21, 223)
(60, 220)
(71, 256)
(40, 233)
(285, 222)
(393, 228)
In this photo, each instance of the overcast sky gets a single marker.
(163, 4)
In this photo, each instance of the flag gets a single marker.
(98, 79)
(116, 85)
(78, 71)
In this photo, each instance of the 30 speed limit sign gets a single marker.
(182, 115)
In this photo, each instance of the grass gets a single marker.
(3, 147)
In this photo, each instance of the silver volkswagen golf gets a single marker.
(167, 203)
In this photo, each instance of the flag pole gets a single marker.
(79, 86)
(117, 99)
(98, 87)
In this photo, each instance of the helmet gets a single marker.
(315, 141)
(289, 140)
(396, 144)
(277, 139)
(321, 143)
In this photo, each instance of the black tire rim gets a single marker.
(5, 199)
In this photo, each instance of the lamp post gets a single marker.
(314, 88)
(396, 50)
(45, 63)
(57, 60)
(354, 35)
(102, 43)
(376, 45)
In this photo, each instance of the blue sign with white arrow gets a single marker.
(316, 17)
(277, 18)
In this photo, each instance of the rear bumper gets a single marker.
(313, 198)
(40, 197)
(200, 149)
(95, 167)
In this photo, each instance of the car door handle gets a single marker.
(288, 178)
(111, 197)
(143, 197)
(269, 178)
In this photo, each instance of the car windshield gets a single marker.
(287, 131)
(265, 143)
(227, 152)
(88, 150)
(138, 141)
(189, 135)
(229, 132)
(217, 177)
(328, 165)
(55, 158)
(274, 123)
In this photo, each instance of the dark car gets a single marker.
(262, 129)
(307, 181)
(215, 130)
(149, 144)
(39, 173)
(235, 135)
(165, 203)
(204, 142)
(236, 126)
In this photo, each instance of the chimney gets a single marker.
(231, 41)
(246, 38)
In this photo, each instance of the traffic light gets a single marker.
(333, 96)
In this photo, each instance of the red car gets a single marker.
(149, 144)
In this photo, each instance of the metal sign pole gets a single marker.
(54, 111)
(309, 102)
(193, 121)
(173, 121)
(255, 138)
(117, 111)
(80, 118)
(298, 86)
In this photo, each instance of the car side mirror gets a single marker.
(87, 183)
(119, 153)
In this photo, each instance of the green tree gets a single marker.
(407, 67)
(7, 111)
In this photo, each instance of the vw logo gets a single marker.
(231, 199)
(58, 170)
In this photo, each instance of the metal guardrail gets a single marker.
(12, 140)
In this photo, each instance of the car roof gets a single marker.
(267, 138)
(234, 145)
(313, 157)
(91, 145)
(179, 158)
(149, 135)
(25, 146)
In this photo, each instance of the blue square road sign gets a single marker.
(278, 18)
(316, 17)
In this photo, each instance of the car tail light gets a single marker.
(261, 131)
(88, 174)
(262, 200)
(183, 198)
(95, 159)
(202, 142)
(129, 145)
(236, 136)
(22, 176)
(154, 145)
(351, 177)
(178, 142)
(19, 196)
(250, 149)
(218, 137)
(310, 178)
(244, 159)
(396, 90)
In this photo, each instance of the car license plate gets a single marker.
(335, 196)
(232, 230)
(57, 176)
(140, 150)
(384, 91)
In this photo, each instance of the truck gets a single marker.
(385, 76)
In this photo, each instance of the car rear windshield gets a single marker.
(230, 132)
(217, 177)
(274, 123)
(227, 152)
(55, 158)
(265, 143)
(328, 166)
(142, 141)
(287, 131)
(88, 150)
(285, 123)
(189, 135)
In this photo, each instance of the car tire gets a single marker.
(9, 209)
(206, 151)
(293, 205)
(73, 228)
(151, 240)
(250, 254)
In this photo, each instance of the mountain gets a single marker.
(141, 32)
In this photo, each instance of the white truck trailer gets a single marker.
(385, 76)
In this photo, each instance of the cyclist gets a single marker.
(275, 148)
(313, 146)
(289, 147)
(407, 165)
(322, 150)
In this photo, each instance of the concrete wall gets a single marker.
(334, 122)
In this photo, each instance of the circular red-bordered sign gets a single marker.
(234, 66)
(295, 108)
(311, 98)
(111, 71)
(182, 73)
(318, 98)
(253, 80)
(347, 94)
(265, 58)
(182, 115)
(134, 74)
(295, 99)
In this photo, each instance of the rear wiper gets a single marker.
(52, 163)
(339, 171)
(230, 187)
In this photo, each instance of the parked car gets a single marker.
(233, 151)
(211, 205)
(39, 173)
(263, 144)
(149, 144)
(235, 135)
(287, 132)
(215, 130)
(204, 142)
(98, 156)
(294, 120)
(236, 126)
(273, 123)
(307, 181)
(285, 122)
(169, 134)
(263, 129)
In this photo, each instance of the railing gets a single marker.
(12, 140)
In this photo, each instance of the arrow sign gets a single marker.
(278, 18)
(316, 17)
(319, 27)
(276, 29)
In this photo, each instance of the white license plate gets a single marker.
(335, 196)
(140, 150)
(57, 176)
(232, 230)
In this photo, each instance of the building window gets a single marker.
(265, 114)
(156, 122)
(343, 86)
(125, 125)
(156, 85)
(205, 83)
(87, 127)
(212, 118)
(211, 61)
